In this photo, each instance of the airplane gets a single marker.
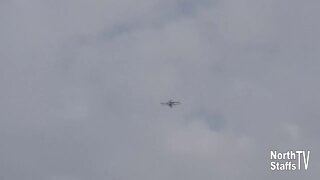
(171, 103)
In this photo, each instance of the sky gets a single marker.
(81, 84)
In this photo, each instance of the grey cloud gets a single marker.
(214, 120)
(81, 82)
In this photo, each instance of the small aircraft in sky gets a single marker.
(171, 103)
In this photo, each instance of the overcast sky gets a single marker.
(81, 83)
